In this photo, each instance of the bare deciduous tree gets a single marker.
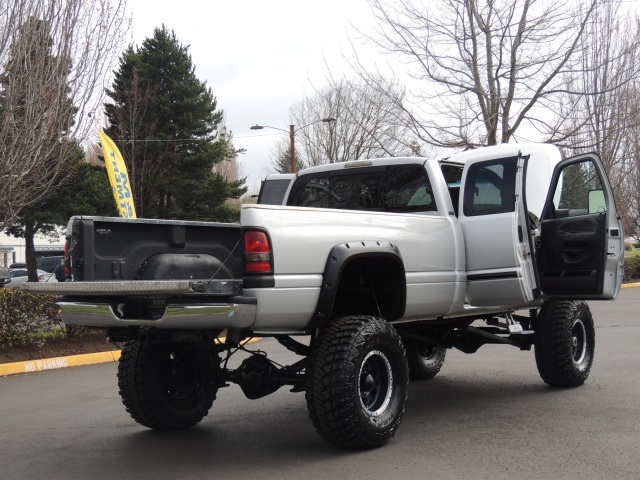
(632, 179)
(366, 125)
(230, 168)
(55, 56)
(605, 118)
(483, 70)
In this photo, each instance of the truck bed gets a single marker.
(115, 249)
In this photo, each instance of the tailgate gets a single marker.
(117, 249)
(171, 288)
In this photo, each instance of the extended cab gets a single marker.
(370, 271)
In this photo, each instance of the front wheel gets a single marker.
(166, 386)
(565, 343)
(357, 382)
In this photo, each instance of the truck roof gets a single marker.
(366, 163)
(538, 152)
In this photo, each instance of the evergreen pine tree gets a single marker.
(164, 120)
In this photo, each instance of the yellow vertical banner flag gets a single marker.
(118, 177)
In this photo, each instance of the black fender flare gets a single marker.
(339, 256)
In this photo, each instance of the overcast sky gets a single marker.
(258, 57)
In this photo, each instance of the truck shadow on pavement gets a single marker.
(273, 434)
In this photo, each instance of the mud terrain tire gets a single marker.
(425, 360)
(357, 382)
(565, 343)
(166, 386)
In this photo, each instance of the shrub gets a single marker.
(631, 268)
(27, 319)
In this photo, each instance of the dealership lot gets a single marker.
(486, 415)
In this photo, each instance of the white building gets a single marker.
(12, 249)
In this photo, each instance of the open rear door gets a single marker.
(581, 246)
(494, 219)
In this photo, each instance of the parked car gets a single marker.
(19, 276)
(4, 276)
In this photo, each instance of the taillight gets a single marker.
(257, 252)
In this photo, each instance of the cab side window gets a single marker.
(578, 191)
(408, 190)
(490, 187)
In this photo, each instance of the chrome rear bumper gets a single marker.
(197, 315)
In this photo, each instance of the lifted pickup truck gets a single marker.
(370, 271)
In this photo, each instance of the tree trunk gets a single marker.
(30, 251)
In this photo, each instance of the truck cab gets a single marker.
(537, 226)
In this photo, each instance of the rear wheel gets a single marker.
(425, 359)
(565, 343)
(166, 386)
(357, 382)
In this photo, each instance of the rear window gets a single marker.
(18, 273)
(396, 188)
(272, 191)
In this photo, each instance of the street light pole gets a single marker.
(292, 138)
(292, 148)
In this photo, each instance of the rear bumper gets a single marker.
(232, 312)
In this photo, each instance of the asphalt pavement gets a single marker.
(486, 415)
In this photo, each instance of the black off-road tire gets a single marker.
(357, 382)
(564, 342)
(166, 386)
(425, 360)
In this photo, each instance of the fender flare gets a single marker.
(339, 256)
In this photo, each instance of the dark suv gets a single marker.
(52, 265)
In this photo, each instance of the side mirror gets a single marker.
(597, 202)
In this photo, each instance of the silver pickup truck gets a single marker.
(368, 270)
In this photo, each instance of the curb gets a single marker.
(631, 285)
(57, 363)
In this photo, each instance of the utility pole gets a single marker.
(292, 138)
(292, 148)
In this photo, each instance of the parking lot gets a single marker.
(486, 415)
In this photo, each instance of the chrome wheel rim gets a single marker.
(375, 383)
(579, 347)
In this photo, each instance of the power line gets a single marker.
(190, 139)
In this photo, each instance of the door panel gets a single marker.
(571, 255)
(580, 250)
